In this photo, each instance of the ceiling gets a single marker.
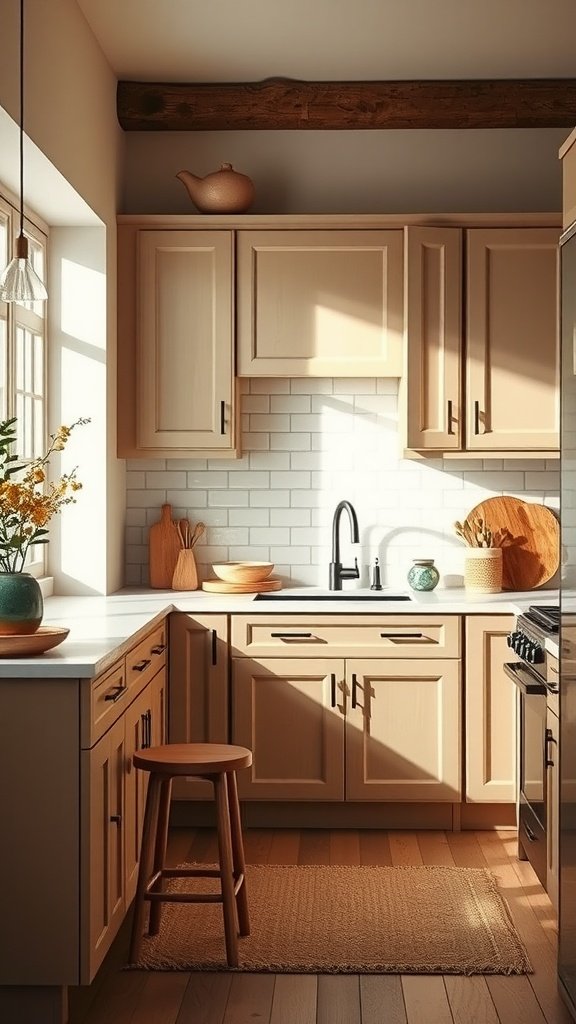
(338, 40)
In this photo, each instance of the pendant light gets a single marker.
(20, 282)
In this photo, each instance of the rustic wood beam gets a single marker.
(281, 103)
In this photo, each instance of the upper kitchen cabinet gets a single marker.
(176, 391)
(482, 372)
(320, 303)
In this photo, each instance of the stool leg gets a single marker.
(146, 855)
(160, 851)
(226, 876)
(238, 853)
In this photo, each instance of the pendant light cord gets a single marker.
(21, 117)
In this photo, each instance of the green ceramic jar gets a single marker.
(21, 604)
(423, 574)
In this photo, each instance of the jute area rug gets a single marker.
(347, 920)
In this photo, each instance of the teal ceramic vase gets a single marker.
(21, 604)
(423, 574)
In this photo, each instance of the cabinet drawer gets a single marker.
(144, 660)
(369, 636)
(107, 702)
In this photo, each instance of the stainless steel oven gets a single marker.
(528, 641)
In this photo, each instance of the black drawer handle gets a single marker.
(141, 665)
(354, 685)
(116, 819)
(292, 636)
(402, 636)
(333, 689)
(214, 647)
(159, 649)
(115, 694)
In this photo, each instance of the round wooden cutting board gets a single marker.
(529, 536)
(220, 587)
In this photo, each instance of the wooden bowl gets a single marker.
(243, 572)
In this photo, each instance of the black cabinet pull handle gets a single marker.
(548, 761)
(531, 835)
(115, 694)
(159, 649)
(292, 636)
(222, 417)
(354, 685)
(141, 665)
(214, 647)
(476, 417)
(450, 418)
(116, 819)
(333, 689)
(401, 636)
(149, 718)
(144, 731)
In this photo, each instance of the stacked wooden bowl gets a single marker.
(242, 578)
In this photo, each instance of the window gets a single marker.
(23, 354)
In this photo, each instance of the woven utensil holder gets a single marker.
(483, 570)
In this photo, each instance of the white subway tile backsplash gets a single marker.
(307, 444)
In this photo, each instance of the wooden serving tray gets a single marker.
(220, 587)
(26, 645)
(529, 535)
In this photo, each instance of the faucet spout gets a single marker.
(337, 571)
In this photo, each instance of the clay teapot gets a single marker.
(223, 191)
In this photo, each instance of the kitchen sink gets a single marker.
(340, 595)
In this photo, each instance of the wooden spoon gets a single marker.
(197, 533)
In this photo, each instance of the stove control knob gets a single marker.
(511, 639)
(530, 653)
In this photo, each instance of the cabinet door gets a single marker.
(320, 303)
(433, 328)
(491, 711)
(137, 720)
(185, 340)
(103, 846)
(512, 365)
(198, 689)
(403, 730)
(553, 803)
(289, 713)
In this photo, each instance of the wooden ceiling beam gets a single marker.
(281, 104)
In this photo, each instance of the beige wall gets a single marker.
(354, 172)
(71, 116)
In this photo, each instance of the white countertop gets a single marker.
(102, 628)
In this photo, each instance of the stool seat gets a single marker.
(193, 758)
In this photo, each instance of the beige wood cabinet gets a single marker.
(320, 303)
(73, 780)
(491, 711)
(198, 689)
(176, 393)
(403, 730)
(286, 711)
(323, 726)
(567, 155)
(492, 387)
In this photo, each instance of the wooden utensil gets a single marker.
(199, 529)
(219, 587)
(163, 548)
(529, 535)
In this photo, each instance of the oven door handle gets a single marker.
(525, 680)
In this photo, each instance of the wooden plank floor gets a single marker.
(133, 997)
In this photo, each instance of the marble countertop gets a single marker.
(103, 628)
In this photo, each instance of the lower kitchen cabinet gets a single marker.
(491, 711)
(403, 730)
(552, 804)
(198, 689)
(329, 729)
(289, 713)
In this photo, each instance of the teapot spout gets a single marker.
(191, 183)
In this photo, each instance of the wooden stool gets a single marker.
(216, 762)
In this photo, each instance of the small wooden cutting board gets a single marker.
(529, 535)
(163, 549)
(220, 587)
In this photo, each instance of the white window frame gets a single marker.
(16, 316)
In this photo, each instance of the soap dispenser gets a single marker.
(376, 581)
